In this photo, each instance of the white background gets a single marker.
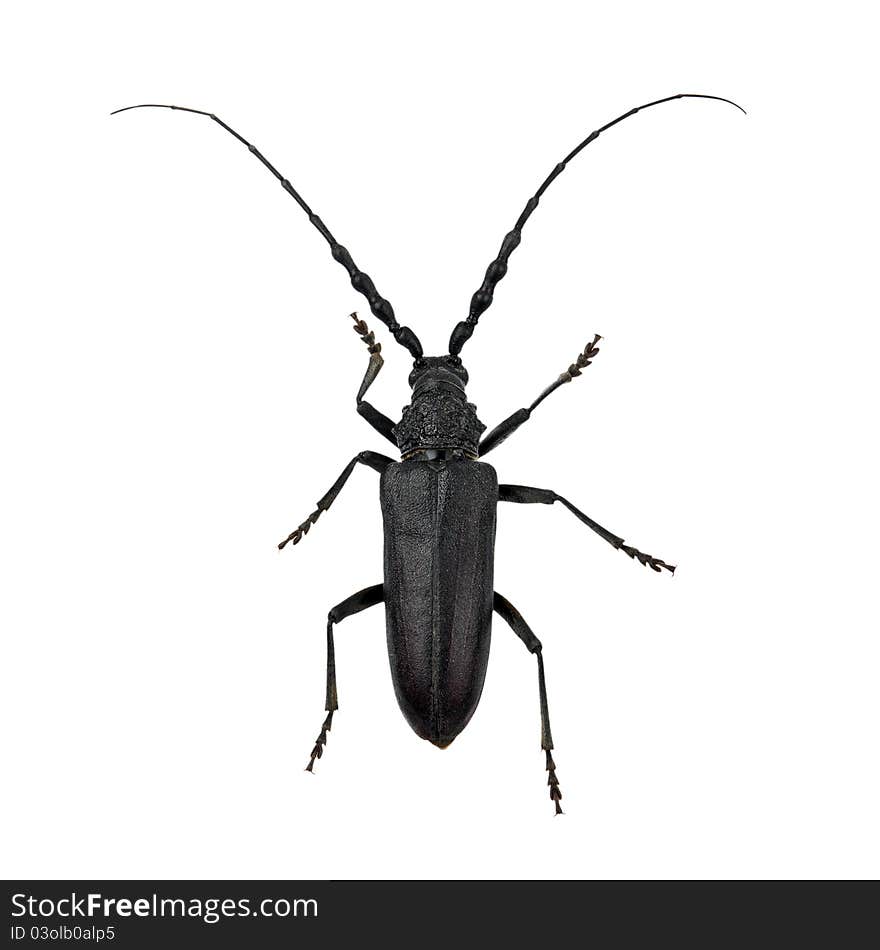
(178, 381)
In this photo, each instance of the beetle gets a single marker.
(439, 504)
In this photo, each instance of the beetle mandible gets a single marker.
(439, 505)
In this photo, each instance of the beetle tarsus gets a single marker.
(591, 350)
(648, 560)
(320, 742)
(296, 536)
(366, 334)
(553, 782)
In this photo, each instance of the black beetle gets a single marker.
(439, 506)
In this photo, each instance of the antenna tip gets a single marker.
(701, 95)
(157, 105)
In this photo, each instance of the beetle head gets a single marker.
(438, 372)
(439, 419)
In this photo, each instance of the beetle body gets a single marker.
(439, 524)
(439, 506)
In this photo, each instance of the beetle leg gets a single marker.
(523, 495)
(514, 618)
(506, 428)
(378, 420)
(373, 459)
(368, 597)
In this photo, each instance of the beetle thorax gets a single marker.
(439, 419)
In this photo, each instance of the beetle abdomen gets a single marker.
(439, 521)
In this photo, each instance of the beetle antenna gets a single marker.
(359, 280)
(482, 299)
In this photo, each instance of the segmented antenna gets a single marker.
(361, 282)
(482, 299)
